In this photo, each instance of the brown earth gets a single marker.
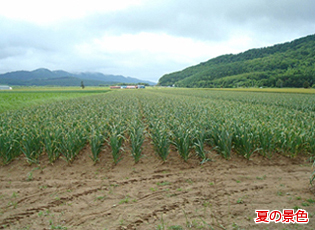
(218, 194)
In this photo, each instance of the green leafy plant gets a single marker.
(116, 139)
(71, 144)
(160, 139)
(182, 140)
(136, 134)
(199, 142)
(96, 141)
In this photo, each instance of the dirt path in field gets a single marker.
(219, 194)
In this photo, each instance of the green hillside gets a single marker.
(291, 64)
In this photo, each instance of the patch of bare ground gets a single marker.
(219, 194)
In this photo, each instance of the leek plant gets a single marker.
(71, 144)
(31, 145)
(221, 139)
(160, 139)
(182, 140)
(244, 140)
(199, 142)
(52, 139)
(9, 146)
(136, 135)
(96, 141)
(116, 139)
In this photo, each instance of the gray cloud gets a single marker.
(25, 45)
(210, 20)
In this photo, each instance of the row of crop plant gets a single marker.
(292, 101)
(230, 125)
(187, 119)
(62, 129)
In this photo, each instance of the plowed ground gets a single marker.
(218, 194)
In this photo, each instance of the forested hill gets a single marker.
(44, 77)
(291, 64)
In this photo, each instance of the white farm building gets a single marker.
(5, 87)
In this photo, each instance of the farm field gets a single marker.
(23, 98)
(270, 90)
(157, 159)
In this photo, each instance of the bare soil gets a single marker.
(219, 194)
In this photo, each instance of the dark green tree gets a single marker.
(306, 84)
(279, 83)
(82, 85)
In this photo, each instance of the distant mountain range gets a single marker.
(291, 64)
(45, 77)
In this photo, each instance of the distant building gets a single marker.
(115, 87)
(128, 87)
(5, 87)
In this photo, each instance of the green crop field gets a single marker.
(244, 122)
(270, 90)
(24, 97)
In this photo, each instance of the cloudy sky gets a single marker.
(142, 38)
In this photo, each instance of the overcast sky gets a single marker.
(142, 38)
